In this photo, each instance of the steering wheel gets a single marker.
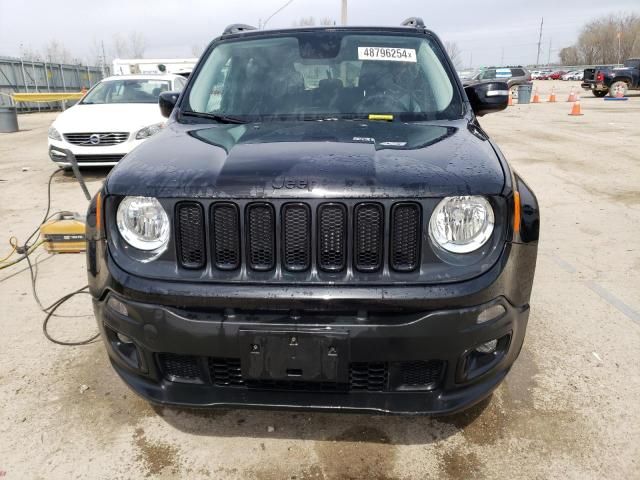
(381, 102)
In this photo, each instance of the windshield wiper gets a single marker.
(214, 116)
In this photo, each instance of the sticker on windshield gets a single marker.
(387, 54)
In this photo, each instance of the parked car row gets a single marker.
(556, 75)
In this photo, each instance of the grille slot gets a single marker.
(225, 222)
(96, 139)
(190, 237)
(296, 236)
(180, 367)
(368, 237)
(405, 236)
(332, 237)
(372, 377)
(261, 228)
(420, 374)
(225, 372)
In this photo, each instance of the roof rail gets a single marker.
(237, 28)
(416, 22)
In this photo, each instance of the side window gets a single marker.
(489, 74)
(517, 72)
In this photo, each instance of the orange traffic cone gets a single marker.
(536, 97)
(510, 103)
(572, 96)
(552, 97)
(575, 110)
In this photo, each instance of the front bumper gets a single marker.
(200, 340)
(599, 87)
(90, 156)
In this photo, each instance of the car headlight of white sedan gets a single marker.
(147, 132)
(54, 134)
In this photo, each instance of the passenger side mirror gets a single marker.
(167, 101)
(488, 97)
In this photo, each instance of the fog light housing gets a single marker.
(491, 313)
(488, 347)
(482, 358)
(123, 339)
(117, 306)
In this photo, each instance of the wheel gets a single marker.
(599, 93)
(514, 92)
(618, 89)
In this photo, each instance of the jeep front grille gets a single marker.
(190, 238)
(332, 237)
(296, 237)
(225, 226)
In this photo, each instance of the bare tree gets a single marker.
(327, 21)
(196, 50)
(305, 22)
(569, 56)
(137, 44)
(56, 52)
(454, 52)
(605, 40)
(120, 47)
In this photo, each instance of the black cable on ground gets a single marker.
(53, 308)
(27, 250)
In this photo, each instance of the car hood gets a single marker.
(330, 159)
(122, 117)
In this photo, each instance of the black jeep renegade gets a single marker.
(323, 224)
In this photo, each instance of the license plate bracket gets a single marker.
(295, 355)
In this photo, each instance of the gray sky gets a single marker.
(482, 29)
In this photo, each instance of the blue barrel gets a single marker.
(524, 93)
(8, 119)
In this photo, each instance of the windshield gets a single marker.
(321, 75)
(632, 63)
(127, 91)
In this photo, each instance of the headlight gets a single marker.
(143, 223)
(54, 134)
(461, 224)
(146, 132)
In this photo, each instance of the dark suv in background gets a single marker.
(513, 76)
(322, 224)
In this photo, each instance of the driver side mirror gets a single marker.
(167, 101)
(488, 97)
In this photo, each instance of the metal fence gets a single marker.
(25, 76)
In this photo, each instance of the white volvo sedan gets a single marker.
(114, 117)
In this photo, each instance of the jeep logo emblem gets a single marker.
(292, 183)
(94, 139)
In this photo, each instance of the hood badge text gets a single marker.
(291, 183)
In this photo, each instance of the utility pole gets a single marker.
(344, 12)
(502, 57)
(104, 60)
(619, 48)
(549, 53)
(539, 41)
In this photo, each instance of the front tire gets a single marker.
(599, 93)
(617, 88)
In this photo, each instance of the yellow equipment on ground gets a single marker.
(64, 233)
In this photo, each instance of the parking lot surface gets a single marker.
(570, 407)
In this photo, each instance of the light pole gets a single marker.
(276, 12)
(344, 12)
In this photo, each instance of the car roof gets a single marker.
(142, 76)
